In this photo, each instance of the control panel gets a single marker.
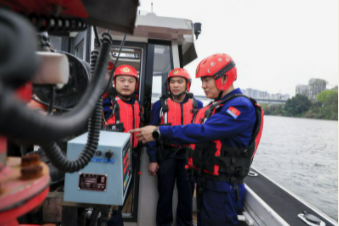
(105, 180)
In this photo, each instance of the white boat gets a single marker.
(158, 45)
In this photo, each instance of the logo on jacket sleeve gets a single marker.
(233, 112)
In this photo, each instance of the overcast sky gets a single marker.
(276, 45)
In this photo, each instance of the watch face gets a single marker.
(155, 134)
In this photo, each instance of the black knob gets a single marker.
(109, 154)
(98, 153)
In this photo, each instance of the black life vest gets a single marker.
(216, 161)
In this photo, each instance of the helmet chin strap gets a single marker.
(178, 95)
(221, 91)
(219, 96)
(124, 96)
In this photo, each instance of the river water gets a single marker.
(302, 156)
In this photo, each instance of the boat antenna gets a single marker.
(152, 6)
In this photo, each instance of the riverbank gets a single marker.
(326, 107)
(300, 117)
(314, 113)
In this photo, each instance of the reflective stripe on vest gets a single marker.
(129, 118)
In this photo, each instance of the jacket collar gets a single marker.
(235, 91)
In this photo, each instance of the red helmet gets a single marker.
(180, 72)
(216, 66)
(126, 70)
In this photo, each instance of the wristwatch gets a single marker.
(156, 133)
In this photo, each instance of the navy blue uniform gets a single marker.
(219, 203)
(170, 170)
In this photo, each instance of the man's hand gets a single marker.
(144, 134)
(153, 168)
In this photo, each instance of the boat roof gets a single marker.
(153, 27)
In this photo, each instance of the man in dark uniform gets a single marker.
(167, 160)
(226, 135)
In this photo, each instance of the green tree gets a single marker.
(329, 100)
(328, 97)
(266, 109)
(297, 105)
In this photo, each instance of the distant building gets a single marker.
(264, 95)
(246, 92)
(302, 89)
(279, 96)
(286, 96)
(316, 86)
(258, 94)
(254, 93)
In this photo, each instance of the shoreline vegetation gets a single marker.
(299, 106)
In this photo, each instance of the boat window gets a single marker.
(159, 63)
(79, 50)
(161, 68)
(128, 56)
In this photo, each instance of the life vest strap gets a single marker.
(238, 152)
(231, 164)
(141, 114)
(258, 110)
(164, 107)
(195, 108)
(116, 108)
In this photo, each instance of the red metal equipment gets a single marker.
(24, 182)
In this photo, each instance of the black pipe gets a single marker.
(18, 61)
(55, 154)
(59, 160)
(51, 103)
(17, 121)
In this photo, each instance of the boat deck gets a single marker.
(283, 203)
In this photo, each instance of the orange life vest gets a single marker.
(125, 117)
(174, 114)
(217, 161)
